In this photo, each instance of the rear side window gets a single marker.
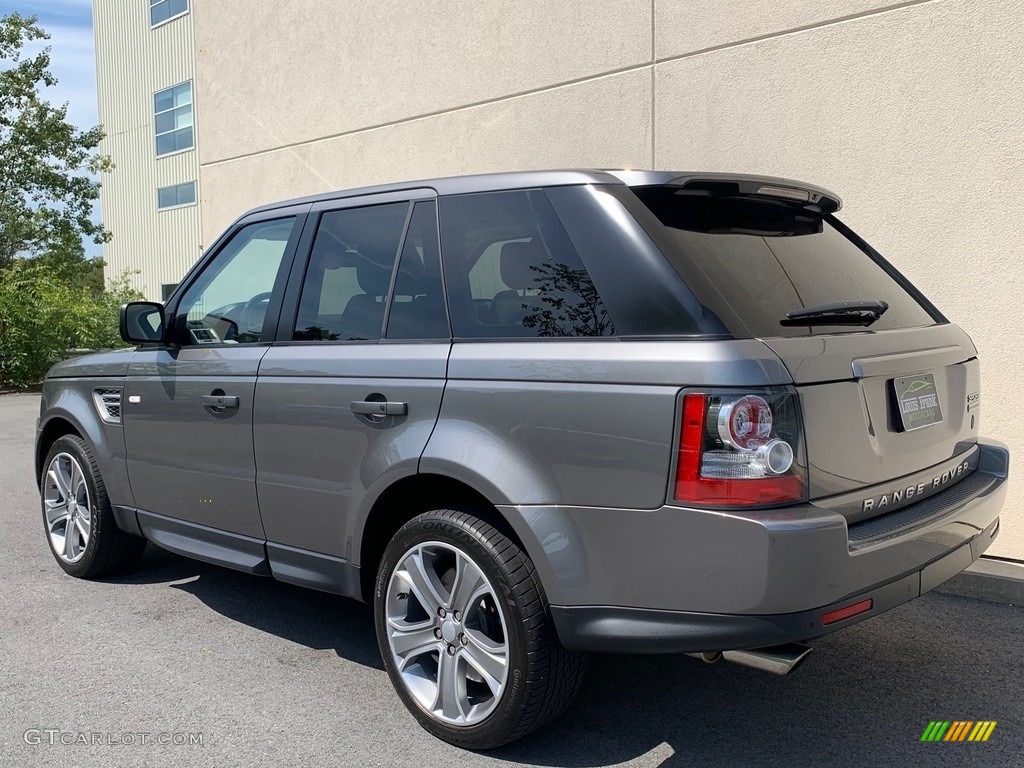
(417, 303)
(511, 270)
(750, 262)
(349, 273)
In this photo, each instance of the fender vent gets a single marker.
(108, 403)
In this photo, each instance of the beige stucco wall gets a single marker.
(133, 62)
(911, 110)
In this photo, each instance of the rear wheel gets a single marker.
(77, 516)
(465, 632)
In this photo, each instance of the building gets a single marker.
(145, 65)
(911, 110)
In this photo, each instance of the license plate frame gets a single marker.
(917, 401)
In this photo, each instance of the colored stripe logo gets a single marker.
(958, 730)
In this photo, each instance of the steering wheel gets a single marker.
(254, 312)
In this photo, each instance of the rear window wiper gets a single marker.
(840, 313)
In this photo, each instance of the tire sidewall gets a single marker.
(76, 447)
(503, 718)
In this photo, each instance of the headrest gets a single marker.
(373, 279)
(516, 260)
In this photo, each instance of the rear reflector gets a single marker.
(845, 613)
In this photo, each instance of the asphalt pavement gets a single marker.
(187, 664)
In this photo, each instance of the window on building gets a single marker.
(166, 290)
(176, 195)
(162, 10)
(172, 109)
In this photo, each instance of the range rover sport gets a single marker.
(532, 415)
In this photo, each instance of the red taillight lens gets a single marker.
(739, 450)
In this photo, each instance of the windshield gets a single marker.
(752, 262)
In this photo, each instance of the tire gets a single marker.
(96, 547)
(435, 560)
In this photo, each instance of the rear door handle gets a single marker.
(220, 401)
(379, 408)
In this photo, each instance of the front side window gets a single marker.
(228, 303)
(162, 10)
(346, 285)
(512, 271)
(176, 195)
(173, 119)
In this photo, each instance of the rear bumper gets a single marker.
(677, 580)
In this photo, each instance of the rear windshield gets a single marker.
(750, 262)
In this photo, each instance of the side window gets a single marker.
(228, 303)
(417, 304)
(512, 271)
(349, 273)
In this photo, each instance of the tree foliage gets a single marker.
(42, 316)
(48, 166)
(52, 298)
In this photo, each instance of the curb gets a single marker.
(997, 581)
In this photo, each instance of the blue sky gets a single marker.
(72, 55)
(72, 59)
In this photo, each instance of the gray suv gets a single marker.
(536, 414)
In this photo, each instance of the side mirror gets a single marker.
(142, 322)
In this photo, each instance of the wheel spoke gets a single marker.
(56, 513)
(412, 642)
(469, 584)
(70, 542)
(59, 478)
(83, 525)
(449, 690)
(418, 575)
(76, 480)
(488, 658)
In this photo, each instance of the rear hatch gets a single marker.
(887, 386)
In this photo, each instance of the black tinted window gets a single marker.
(349, 273)
(417, 304)
(751, 262)
(512, 271)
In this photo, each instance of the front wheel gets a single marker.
(465, 632)
(77, 515)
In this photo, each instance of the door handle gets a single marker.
(220, 401)
(379, 408)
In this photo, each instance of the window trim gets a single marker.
(192, 107)
(152, 26)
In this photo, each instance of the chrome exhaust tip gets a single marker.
(777, 659)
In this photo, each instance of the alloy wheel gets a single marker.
(447, 634)
(68, 509)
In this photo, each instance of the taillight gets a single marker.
(740, 449)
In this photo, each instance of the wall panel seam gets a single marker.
(794, 30)
(646, 65)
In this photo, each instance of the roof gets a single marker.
(493, 182)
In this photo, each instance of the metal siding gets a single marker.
(133, 62)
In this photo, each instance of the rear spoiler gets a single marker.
(731, 185)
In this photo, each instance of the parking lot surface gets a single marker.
(266, 674)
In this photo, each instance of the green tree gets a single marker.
(48, 166)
